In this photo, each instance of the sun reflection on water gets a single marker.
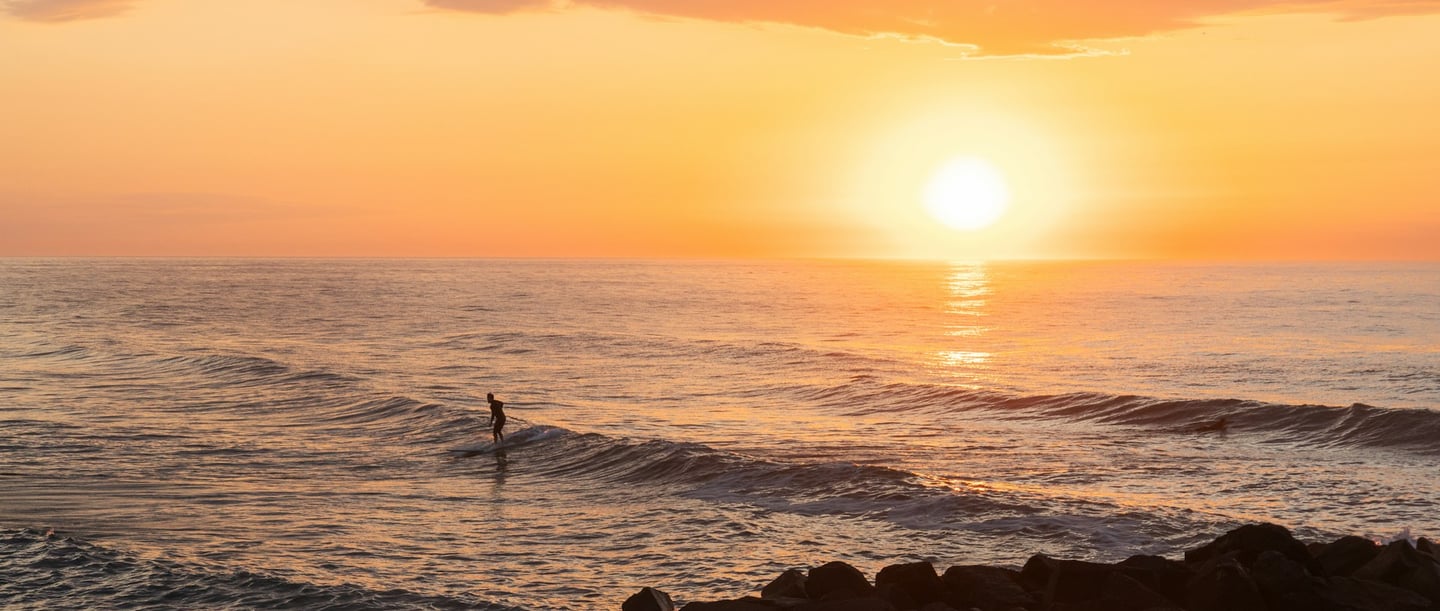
(968, 287)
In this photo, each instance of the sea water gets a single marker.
(261, 433)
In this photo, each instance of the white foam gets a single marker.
(523, 436)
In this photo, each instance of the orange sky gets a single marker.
(1216, 129)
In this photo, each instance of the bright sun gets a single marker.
(967, 193)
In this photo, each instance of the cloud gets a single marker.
(996, 27)
(497, 7)
(64, 10)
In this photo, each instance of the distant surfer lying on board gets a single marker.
(1218, 426)
(497, 416)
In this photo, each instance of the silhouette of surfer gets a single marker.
(497, 417)
(1218, 426)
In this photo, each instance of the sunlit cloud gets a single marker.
(498, 7)
(64, 10)
(994, 27)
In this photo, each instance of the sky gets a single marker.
(1204, 130)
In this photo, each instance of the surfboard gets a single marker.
(481, 448)
(518, 438)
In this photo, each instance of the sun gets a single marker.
(967, 193)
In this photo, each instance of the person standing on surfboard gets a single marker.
(497, 416)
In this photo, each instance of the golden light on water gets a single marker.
(968, 286)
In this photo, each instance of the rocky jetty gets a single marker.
(1257, 567)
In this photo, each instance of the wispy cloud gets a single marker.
(994, 27)
(497, 7)
(64, 10)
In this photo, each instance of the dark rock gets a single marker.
(1250, 540)
(897, 598)
(1071, 581)
(1285, 584)
(790, 584)
(1345, 555)
(648, 599)
(1426, 546)
(1401, 565)
(749, 603)
(837, 580)
(1168, 577)
(916, 580)
(1223, 584)
(986, 588)
(868, 603)
(1352, 594)
(1123, 593)
(938, 606)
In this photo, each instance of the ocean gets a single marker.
(254, 433)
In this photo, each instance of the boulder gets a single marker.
(897, 598)
(836, 581)
(1344, 555)
(986, 588)
(1071, 581)
(917, 581)
(1401, 565)
(1249, 541)
(1168, 577)
(790, 584)
(1426, 546)
(1123, 593)
(867, 603)
(1285, 584)
(1352, 594)
(749, 603)
(1223, 584)
(648, 599)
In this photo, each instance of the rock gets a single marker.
(1222, 584)
(1401, 565)
(1250, 540)
(1285, 584)
(986, 588)
(837, 580)
(790, 584)
(1165, 576)
(1426, 546)
(1071, 581)
(937, 606)
(1352, 594)
(648, 599)
(1123, 593)
(917, 581)
(1345, 555)
(868, 603)
(896, 597)
(749, 603)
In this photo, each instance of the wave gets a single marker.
(245, 369)
(1356, 426)
(330, 398)
(39, 570)
(701, 472)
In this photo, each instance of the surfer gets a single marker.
(497, 416)
(1218, 426)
